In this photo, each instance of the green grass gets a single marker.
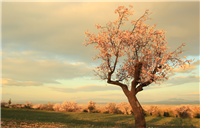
(16, 117)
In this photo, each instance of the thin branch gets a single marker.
(137, 22)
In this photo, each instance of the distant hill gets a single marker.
(173, 101)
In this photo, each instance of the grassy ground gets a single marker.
(16, 117)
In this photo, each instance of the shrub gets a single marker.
(22, 106)
(146, 113)
(9, 102)
(112, 108)
(6, 106)
(36, 106)
(120, 112)
(152, 109)
(158, 113)
(96, 111)
(28, 105)
(185, 111)
(49, 106)
(42, 107)
(3, 104)
(18, 105)
(166, 114)
(104, 110)
(85, 110)
(91, 106)
(197, 115)
(57, 107)
(124, 107)
(172, 113)
(70, 106)
(13, 106)
(196, 111)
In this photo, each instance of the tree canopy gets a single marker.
(138, 56)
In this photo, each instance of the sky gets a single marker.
(44, 60)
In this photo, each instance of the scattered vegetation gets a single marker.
(183, 111)
(91, 106)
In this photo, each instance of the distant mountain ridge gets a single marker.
(173, 101)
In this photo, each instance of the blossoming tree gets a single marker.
(133, 59)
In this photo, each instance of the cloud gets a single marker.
(57, 28)
(43, 70)
(155, 86)
(196, 63)
(86, 88)
(188, 69)
(174, 81)
(10, 82)
(191, 94)
(42, 42)
(178, 80)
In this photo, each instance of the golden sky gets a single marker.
(43, 58)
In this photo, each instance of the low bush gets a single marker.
(104, 110)
(96, 111)
(70, 106)
(112, 108)
(172, 113)
(158, 113)
(36, 106)
(185, 111)
(152, 110)
(146, 113)
(28, 105)
(85, 110)
(196, 112)
(166, 114)
(49, 106)
(3, 104)
(57, 107)
(124, 108)
(42, 107)
(91, 106)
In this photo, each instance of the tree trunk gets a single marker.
(137, 111)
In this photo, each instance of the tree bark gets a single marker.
(137, 111)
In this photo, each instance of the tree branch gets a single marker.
(137, 22)
(123, 86)
(140, 87)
